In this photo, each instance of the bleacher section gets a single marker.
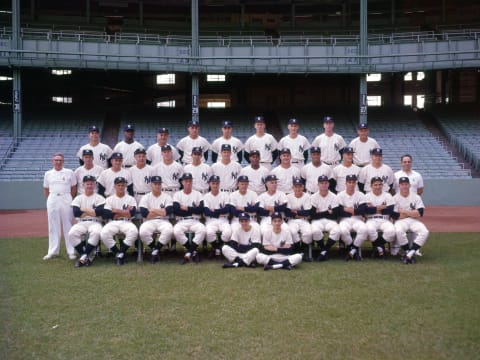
(461, 125)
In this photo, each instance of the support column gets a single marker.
(140, 13)
(363, 61)
(292, 16)
(194, 55)
(87, 11)
(392, 11)
(17, 90)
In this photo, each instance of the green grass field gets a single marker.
(357, 310)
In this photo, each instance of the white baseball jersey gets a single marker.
(101, 154)
(249, 237)
(340, 173)
(248, 199)
(311, 173)
(107, 178)
(116, 202)
(277, 240)
(361, 156)
(324, 203)
(304, 202)
(255, 178)
(170, 174)
(216, 202)
(81, 171)
(416, 180)
(384, 171)
(154, 154)
(376, 200)
(193, 199)
(127, 151)
(277, 198)
(410, 202)
(297, 146)
(265, 145)
(353, 201)
(285, 177)
(187, 144)
(228, 174)
(234, 142)
(330, 147)
(151, 201)
(200, 173)
(141, 179)
(89, 202)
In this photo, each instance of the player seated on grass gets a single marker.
(119, 208)
(407, 211)
(242, 249)
(277, 251)
(88, 209)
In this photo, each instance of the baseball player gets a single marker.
(200, 171)
(242, 249)
(298, 144)
(379, 210)
(408, 210)
(119, 208)
(285, 172)
(140, 174)
(59, 187)
(299, 206)
(170, 171)
(255, 173)
(101, 152)
(128, 146)
(347, 167)
(325, 210)
(188, 208)
(227, 170)
(277, 251)
(374, 169)
(105, 182)
(330, 143)
(352, 208)
(362, 146)
(216, 210)
(88, 209)
(271, 201)
(243, 201)
(262, 142)
(416, 180)
(227, 138)
(88, 168)
(314, 169)
(186, 144)
(154, 152)
(156, 208)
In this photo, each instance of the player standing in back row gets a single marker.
(264, 143)
(329, 143)
(298, 144)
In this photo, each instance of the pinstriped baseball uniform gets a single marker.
(201, 173)
(311, 173)
(82, 171)
(154, 154)
(160, 224)
(256, 178)
(107, 177)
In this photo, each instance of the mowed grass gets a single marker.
(357, 310)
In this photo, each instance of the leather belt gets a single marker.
(122, 219)
(186, 218)
(377, 217)
(94, 220)
(331, 163)
(227, 190)
(141, 193)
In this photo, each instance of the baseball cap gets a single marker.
(162, 130)
(285, 151)
(129, 127)
(120, 179)
(404, 179)
(242, 178)
(293, 121)
(89, 178)
(140, 151)
(243, 216)
(362, 126)
(347, 150)
(351, 177)
(93, 128)
(226, 147)
(276, 215)
(193, 123)
(156, 179)
(214, 178)
(375, 179)
(328, 119)
(226, 123)
(259, 119)
(166, 148)
(376, 151)
(186, 176)
(322, 178)
(254, 152)
(196, 150)
(117, 155)
(315, 149)
(297, 181)
(87, 152)
(271, 178)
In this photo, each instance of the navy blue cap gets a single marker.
(322, 178)
(193, 123)
(197, 150)
(375, 179)
(140, 151)
(162, 130)
(117, 155)
(242, 178)
(89, 178)
(293, 121)
(226, 147)
(119, 180)
(254, 152)
(156, 179)
(186, 176)
(259, 119)
(277, 215)
(271, 177)
(166, 148)
(351, 177)
(285, 151)
(226, 123)
(87, 152)
(362, 126)
(404, 179)
(328, 119)
(129, 127)
(93, 128)
(214, 178)
(376, 151)
(315, 149)
(297, 181)
(243, 216)
(347, 149)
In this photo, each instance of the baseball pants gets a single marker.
(231, 254)
(294, 259)
(415, 226)
(149, 227)
(221, 225)
(91, 228)
(300, 225)
(347, 225)
(60, 216)
(330, 226)
(115, 227)
(383, 225)
(193, 225)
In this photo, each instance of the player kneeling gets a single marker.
(277, 251)
(242, 249)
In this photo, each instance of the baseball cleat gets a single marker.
(196, 257)
(267, 267)
(252, 265)
(72, 256)
(229, 266)
(119, 261)
(288, 267)
(186, 258)
(418, 253)
(322, 256)
(49, 256)
(154, 259)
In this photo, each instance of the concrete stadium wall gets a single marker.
(28, 195)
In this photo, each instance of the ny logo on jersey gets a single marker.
(385, 178)
(205, 177)
(276, 202)
(221, 205)
(329, 207)
(146, 179)
(300, 149)
(412, 206)
(234, 149)
(175, 176)
(249, 241)
(268, 147)
(124, 207)
(337, 147)
(102, 156)
(162, 205)
(356, 205)
(234, 175)
(384, 202)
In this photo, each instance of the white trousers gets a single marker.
(294, 259)
(330, 226)
(115, 227)
(60, 216)
(300, 225)
(383, 225)
(149, 227)
(91, 228)
(248, 257)
(353, 224)
(415, 226)
(222, 225)
(192, 225)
